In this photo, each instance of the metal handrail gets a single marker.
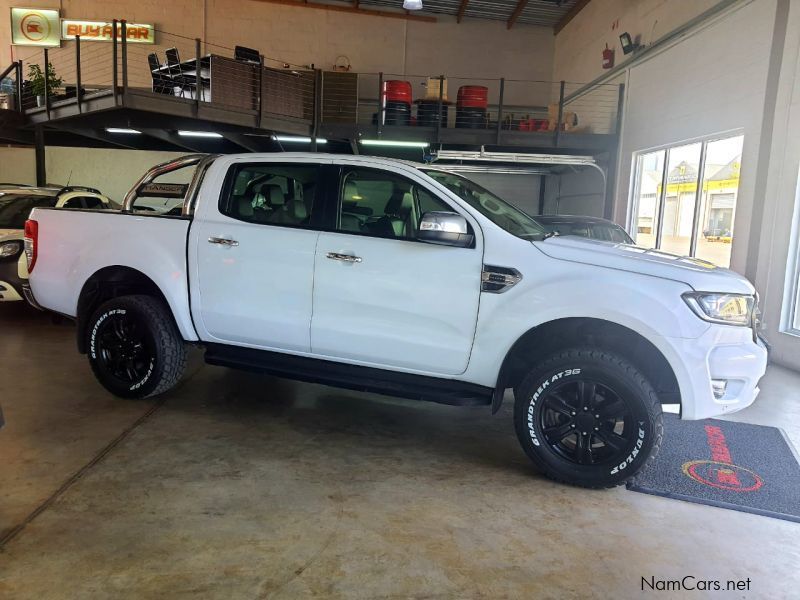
(11, 67)
(513, 101)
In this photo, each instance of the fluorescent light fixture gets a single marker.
(205, 134)
(298, 138)
(395, 143)
(412, 4)
(122, 130)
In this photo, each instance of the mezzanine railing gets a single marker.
(205, 74)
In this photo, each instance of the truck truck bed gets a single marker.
(68, 256)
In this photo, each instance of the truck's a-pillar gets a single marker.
(41, 168)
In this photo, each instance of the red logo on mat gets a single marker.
(724, 476)
(720, 472)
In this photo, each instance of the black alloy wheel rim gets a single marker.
(587, 422)
(122, 349)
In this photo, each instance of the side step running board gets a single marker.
(353, 377)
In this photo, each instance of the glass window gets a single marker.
(609, 233)
(93, 202)
(84, 202)
(15, 208)
(383, 204)
(272, 194)
(677, 216)
(166, 194)
(718, 200)
(650, 169)
(74, 202)
(497, 210)
(693, 214)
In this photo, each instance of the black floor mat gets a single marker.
(751, 468)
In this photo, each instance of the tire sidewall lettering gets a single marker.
(98, 322)
(93, 346)
(637, 448)
(548, 381)
(146, 377)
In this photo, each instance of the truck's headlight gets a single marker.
(10, 249)
(730, 309)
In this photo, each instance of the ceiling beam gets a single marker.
(100, 136)
(571, 14)
(353, 10)
(171, 138)
(461, 10)
(517, 12)
(247, 143)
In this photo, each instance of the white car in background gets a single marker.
(16, 203)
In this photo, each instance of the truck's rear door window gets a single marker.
(271, 193)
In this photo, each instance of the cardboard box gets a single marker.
(569, 119)
(432, 89)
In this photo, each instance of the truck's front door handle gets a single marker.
(222, 241)
(344, 257)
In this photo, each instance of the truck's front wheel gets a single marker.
(135, 349)
(588, 417)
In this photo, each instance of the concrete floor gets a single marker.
(241, 486)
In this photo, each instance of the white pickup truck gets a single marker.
(401, 279)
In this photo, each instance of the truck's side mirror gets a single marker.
(445, 228)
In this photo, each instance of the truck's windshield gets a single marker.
(15, 208)
(497, 210)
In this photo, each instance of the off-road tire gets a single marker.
(165, 358)
(604, 371)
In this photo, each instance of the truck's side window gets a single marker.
(382, 204)
(83, 202)
(271, 194)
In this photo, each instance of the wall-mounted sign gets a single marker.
(35, 27)
(100, 31)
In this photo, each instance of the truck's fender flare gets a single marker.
(505, 368)
(88, 299)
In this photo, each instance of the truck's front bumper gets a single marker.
(10, 281)
(719, 371)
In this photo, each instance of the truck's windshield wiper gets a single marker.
(550, 234)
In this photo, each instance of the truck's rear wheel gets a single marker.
(135, 349)
(588, 417)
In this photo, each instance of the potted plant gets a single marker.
(42, 84)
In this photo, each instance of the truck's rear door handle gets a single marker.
(344, 257)
(222, 241)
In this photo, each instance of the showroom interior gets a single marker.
(677, 121)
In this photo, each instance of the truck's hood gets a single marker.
(11, 234)
(698, 274)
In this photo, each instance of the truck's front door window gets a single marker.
(381, 204)
(497, 210)
(271, 194)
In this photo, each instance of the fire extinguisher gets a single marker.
(608, 58)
